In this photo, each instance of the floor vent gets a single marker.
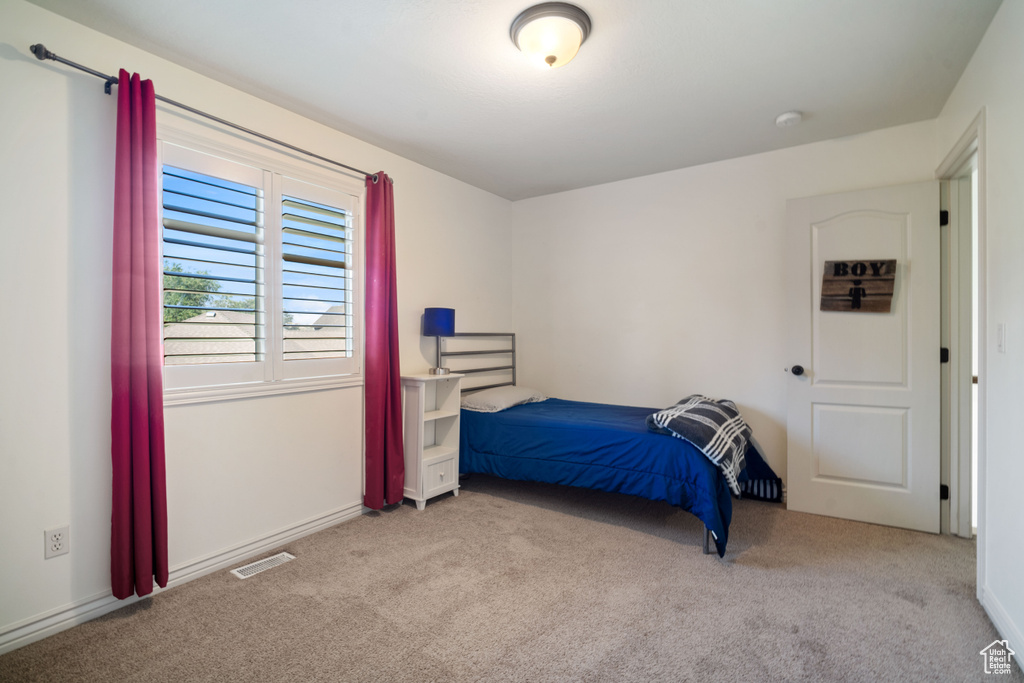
(262, 565)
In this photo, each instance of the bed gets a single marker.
(593, 445)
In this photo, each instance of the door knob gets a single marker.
(797, 370)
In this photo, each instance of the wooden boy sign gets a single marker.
(859, 286)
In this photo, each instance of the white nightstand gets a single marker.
(432, 404)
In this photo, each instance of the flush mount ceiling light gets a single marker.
(550, 33)
(789, 118)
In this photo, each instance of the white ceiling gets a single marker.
(659, 85)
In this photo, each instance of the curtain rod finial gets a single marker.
(40, 51)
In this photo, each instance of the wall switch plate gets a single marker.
(57, 541)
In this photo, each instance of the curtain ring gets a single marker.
(376, 177)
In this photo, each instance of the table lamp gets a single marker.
(439, 322)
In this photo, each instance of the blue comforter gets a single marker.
(596, 446)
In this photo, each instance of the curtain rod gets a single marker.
(41, 53)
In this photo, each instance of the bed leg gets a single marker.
(707, 541)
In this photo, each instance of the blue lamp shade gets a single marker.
(439, 322)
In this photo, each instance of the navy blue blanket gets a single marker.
(596, 446)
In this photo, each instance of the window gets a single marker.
(259, 271)
(316, 277)
(213, 269)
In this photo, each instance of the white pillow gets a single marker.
(500, 398)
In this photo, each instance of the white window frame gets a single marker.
(272, 375)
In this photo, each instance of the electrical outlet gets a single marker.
(57, 542)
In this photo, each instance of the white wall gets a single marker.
(646, 290)
(231, 491)
(993, 80)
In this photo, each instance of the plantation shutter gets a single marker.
(213, 266)
(316, 278)
(260, 275)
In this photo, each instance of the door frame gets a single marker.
(970, 148)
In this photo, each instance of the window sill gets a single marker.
(229, 392)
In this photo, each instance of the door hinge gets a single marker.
(943, 492)
(943, 355)
(943, 217)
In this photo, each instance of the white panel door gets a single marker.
(863, 389)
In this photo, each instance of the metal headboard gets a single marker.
(484, 354)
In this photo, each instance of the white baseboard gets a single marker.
(62, 618)
(59, 619)
(193, 569)
(1004, 624)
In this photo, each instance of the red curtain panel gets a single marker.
(385, 461)
(138, 540)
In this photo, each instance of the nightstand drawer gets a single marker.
(440, 475)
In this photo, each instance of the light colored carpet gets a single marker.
(529, 582)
